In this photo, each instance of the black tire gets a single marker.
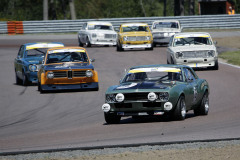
(25, 81)
(40, 88)
(80, 43)
(172, 62)
(180, 111)
(88, 43)
(18, 80)
(119, 47)
(215, 67)
(203, 108)
(112, 118)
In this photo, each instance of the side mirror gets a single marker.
(92, 60)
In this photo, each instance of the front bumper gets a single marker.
(147, 45)
(159, 40)
(92, 85)
(197, 62)
(103, 42)
(32, 77)
(138, 108)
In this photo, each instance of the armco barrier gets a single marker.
(67, 26)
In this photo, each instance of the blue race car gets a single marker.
(29, 59)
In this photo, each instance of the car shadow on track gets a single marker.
(149, 119)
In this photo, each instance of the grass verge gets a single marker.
(231, 57)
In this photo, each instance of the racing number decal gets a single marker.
(195, 94)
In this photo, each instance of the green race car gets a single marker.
(150, 90)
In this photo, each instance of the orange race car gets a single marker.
(67, 68)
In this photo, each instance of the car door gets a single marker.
(191, 92)
(19, 61)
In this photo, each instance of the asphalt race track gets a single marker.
(33, 121)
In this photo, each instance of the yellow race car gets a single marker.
(134, 35)
(67, 68)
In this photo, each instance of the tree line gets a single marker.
(25, 10)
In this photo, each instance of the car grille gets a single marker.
(136, 96)
(110, 36)
(69, 74)
(195, 54)
(137, 38)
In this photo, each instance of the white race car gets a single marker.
(195, 49)
(162, 30)
(97, 33)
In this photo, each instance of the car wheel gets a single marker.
(168, 62)
(24, 80)
(112, 118)
(180, 110)
(80, 43)
(18, 80)
(40, 88)
(215, 67)
(88, 43)
(203, 108)
(172, 62)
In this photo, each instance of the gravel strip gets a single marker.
(113, 151)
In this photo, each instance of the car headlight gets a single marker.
(210, 54)
(94, 35)
(168, 106)
(179, 55)
(106, 107)
(125, 38)
(119, 97)
(33, 67)
(148, 38)
(152, 96)
(89, 73)
(163, 96)
(50, 75)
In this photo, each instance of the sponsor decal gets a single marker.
(127, 86)
(161, 69)
(65, 50)
(43, 45)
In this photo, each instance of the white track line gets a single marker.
(230, 65)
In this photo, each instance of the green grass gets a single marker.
(231, 57)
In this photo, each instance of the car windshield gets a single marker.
(100, 27)
(134, 29)
(192, 41)
(67, 57)
(160, 25)
(158, 75)
(36, 52)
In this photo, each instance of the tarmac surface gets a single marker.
(33, 121)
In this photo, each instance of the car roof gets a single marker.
(99, 23)
(159, 65)
(67, 48)
(35, 45)
(137, 23)
(192, 34)
(166, 21)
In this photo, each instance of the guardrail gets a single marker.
(67, 26)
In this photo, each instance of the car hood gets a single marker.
(136, 34)
(143, 85)
(103, 31)
(35, 60)
(193, 48)
(66, 66)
